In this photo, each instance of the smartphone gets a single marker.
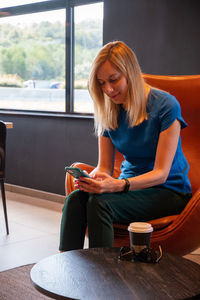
(76, 172)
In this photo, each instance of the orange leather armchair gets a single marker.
(178, 234)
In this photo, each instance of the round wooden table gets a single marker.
(98, 274)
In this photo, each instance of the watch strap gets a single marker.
(127, 185)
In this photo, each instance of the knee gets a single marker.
(93, 202)
(96, 206)
(70, 198)
(75, 199)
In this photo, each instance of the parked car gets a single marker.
(55, 85)
(29, 84)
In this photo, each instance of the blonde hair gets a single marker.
(105, 111)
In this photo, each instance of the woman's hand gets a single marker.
(100, 183)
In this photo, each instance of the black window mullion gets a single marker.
(72, 59)
(69, 61)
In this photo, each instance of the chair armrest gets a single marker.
(161, 223)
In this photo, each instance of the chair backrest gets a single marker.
(186, 89)
(2, 149)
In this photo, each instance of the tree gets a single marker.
(38, 50)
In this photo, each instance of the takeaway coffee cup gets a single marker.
(140, 235)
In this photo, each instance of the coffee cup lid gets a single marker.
(140, 227)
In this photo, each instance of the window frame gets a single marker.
(51, 5)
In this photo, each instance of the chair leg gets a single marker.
(4, 205)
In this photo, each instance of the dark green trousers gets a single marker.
(100, 211)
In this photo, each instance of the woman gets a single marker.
(143, 124)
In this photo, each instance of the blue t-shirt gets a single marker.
(138, 144)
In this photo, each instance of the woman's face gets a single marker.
(113, 83)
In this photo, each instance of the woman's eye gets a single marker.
(114, 79)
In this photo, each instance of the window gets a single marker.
(33, 61)
(88, 40)
(44, 64)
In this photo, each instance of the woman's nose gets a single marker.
(108, 89)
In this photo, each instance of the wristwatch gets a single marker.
(127, 185)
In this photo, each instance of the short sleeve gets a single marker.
(105, 133)
(169, 112)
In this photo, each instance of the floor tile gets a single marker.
(18, 233)
(28, 251)
(34, 226)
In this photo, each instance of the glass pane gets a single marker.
(9, 3)
(32, 61)
(88, 40)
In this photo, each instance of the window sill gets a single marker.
(47, 114)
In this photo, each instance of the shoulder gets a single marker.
(161, 103)
(165, 107)
(160, 100)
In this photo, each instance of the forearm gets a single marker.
(146, 180)
(108, 171)
(104, 183)
(150, 179)
(106, 156)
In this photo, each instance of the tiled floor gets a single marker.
(34, 231)
(34, 226)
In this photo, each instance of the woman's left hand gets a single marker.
(100, 183)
